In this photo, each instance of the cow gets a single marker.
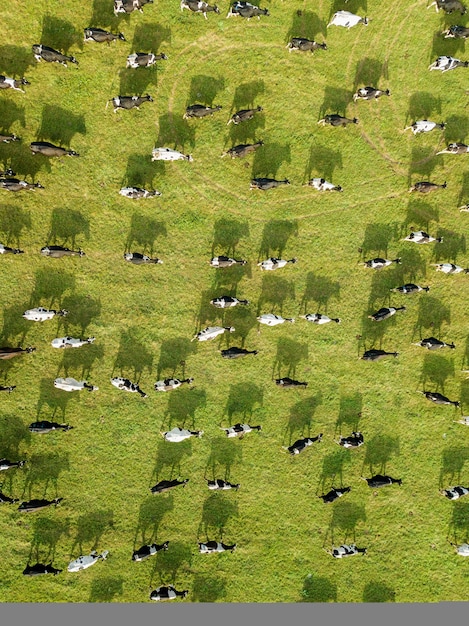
(198, 6)
(236, 353)
(462, 550)
(14, 184)
(244, 115)
(167, 593)
(424, 126)
(321, 184)
(346, 550)
(6, 499)
(83, 562)
(370, 93)
(200, 110)
(450, 268)
(464, 208)
(445, 64)
(39, 568)
(438, 398)
(274, 263)
(420, 236)
(210, 332)
(227, 302)
(225, 261)
(9, 139)
(8, 250)
(334, 494)
(100, 36)
(135, 193)
(455, 148)
(239, 430)
(267, 183)
(40, 314)
(355, 440)
(47, 427)
(12, 83)
(454, 493)
(168, 154)
(176, 435)
(334, 119)
(71, 384)
(305, 45)
(213, 547)
(221, 485)
(129, 6)
(381, 481)
(426, 187)
(448, 6)
(166, 485)
(57, 252)
(269, 319)
(9, 353)
(409, 288)
(9, 389)
(347, 20)
(247, 10)
(5, 464)
(243, 150)
(50, 55)
(48, 149)
(70, 342)
(288, 383)
(456, 32)
(7, 172)
(379, 263)
(385, 312)
(125, 385)
(464, 421)
(301, 444)
(38, 505)
(319, 318)
(144, 59)
(377, 355)
(137, 258)
(171, 383)
(129, 102)
(149, 550)
(432, 343)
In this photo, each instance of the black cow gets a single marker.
(454, 493)
(301, 444)
(236, 353)
(5, 464)
(244, 115)
(432, 343)
(9, 389)
(219, 484)
(305, 45)
(455, 148)
(8, 250)
(12, 83)
(334, 494)
(200, 110)
(410, 288)
(448, 6)
(242, 150)
(9, 353)
(14, 184)
(354, 441)
(438, 398)
(39, 568)
(145, 551)
(6, 499)
(47, 427)
(49, 150)
(8, 139)
(267, 183)
(129, 102)
(166, 485)
(199, 6)
(100, 36)
(287, 383)
(458, 32)
(37, 505)
(212, 547)
(385, 312)
(426, 186)
(247, 10)
(137, 258)
(337, 120)
(376, 355)
(381, 481)
(142, 59)
(57, 252)
(50, 55)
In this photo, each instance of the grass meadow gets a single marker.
(144, 317)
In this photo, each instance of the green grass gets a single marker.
(144, 317)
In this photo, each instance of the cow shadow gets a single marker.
(375, 591)
(60, 34)
(173, 355)
(217, 511)
(322, 161)
(229, 278)
(457, 126)
(464, 192)
(377, 238)
(372, 333)
(106, 588)
(306, 24)
(15, 327)
(368, 72)
(459, 524)
(16, 60)
(318, 589)
(83, 309)
(445, 47)
(204, 89)
(13, 433)
(223, 455)
(24, 163)
(421, 214)
(227, 233)
(46, 535)
(14, 220)
(149, 37)
(422, 105)
(464, 393)
(289, 355)
(432, 314)
(275, 236)
(50, 285)
(381, 284)
(332, 469)
(245, 131)
(135, 82)
(319, 289)
(52, 402)
(379, 450)
(346, 516)
(10, 113)
(91, 527)
(243, 321)
(43, 473)
(353, 6)
(144, 231)
(151, 513)
(275, 290)
(268, 161)
(301, 415)
(208, 314)
(412, 263)
(452, 245)
(436, 369)
(66, 225)
(246, 95)
(453, 460)
(140, 171)
(170, 456)
(59, 125)
(422, 162)
(80, 362)
(350, 412)
(183, 405)
(206, 588)
(335, 100)
(243, 399)
(103, 16)
(169, 563)
(175, 132)
(133, 355)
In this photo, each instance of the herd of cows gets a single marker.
(40, 314)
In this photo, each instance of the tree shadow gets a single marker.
(318, 589)
(289, 354)
(275, 290)
(269, 160)
(275, 237)
(135, 83)
(422, 162)
(442, 46)
(91, 527)
(66, 225)
(452, 245)
(457, 126)
(368, 72)
(143, 232)
(133, 355)
(452, 464)
(335, 100)
(301, 415)
(83, 309)
(322, 161)
(223, 455)
(350, 412)
(345, 517)
(59, 125)
(216, 513)
(54, 399)
(378, 237)
(170, 456)
(60, 34)
(246, 95)
(432, 313)
(375, 591)
(229, 278)
(306, 24)
(141, 172)
(103, 16)
(15, 327)
(242, 399)
(46, 534)
(173, 355)
(12, 434)
(459, 524)
(43, 472)
(332, 469)
(419, 215)
(49, 287)
(436, 369)
(379, 450)
(208, 588)
(320, 290)
(246, 131)
(227, 233)
(204, 89)
(151, 513)
(16, 60)
(10, 113)
(149, 37)
(422, 105)
(175, 132)
(182, 406)
(105, 588)
(81, 362)
(169, 563)
(13, 221)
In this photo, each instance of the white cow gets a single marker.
(70, 342)
(463, 549)
(321, 184)
(179, 434)
(40, 314)
(83, 562)
(424, 126)
(347, 19)
(445, 64)
(70, 384)
(420, 236)
(273, 320)
(274, 263)
(449, 268)
(167, 154)
(211, 332)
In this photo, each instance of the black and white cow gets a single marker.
(100, 36)
(213, 547)
(424, 126)
(242, 150)
(270, 319)
(247, 10)
(385, 312)
(7, 172)
(12, 83)
(446, 63)
(5, 464)
(210, 332)
(227, 302)
(136, 193)
(129, 6)
(166, 485)
(274, 263)
(200, 110)
(288, 383)
(9, 389)
(301, 444)
(39, 568)
(57, 252)
(377, 355)
(334, 494)
(432, 343)
(448, 6)
(409, 288)
(9, 353)
(455, 148)
(137, 258)
(450, 268)
(40, 314)
(346, 550)
(221, 485)
(239, 430)
(381, 481)
(456, 32)
(244, 115)
(6, 499)
(199, 6)
(168, 154)
(50, 55)
(337, 120)
(354, 441)
(8, 250)
(168, 384)
(15, 184)
(9, 139)
(370, 93)
(167, 593)
(438, 398)
(305, 45)
(70, 342)
(225, 261)
(149, 550)
(85, 561)
(379, 263)
(236, 353)
(48, 149)
(126, 385)
(38, 505)
(347, 19)
(267, 183)
(47, 427)
(129, 102)
(320, 318)
(454, 493)
(144, 59)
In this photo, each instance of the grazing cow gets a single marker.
(305, 45)
(464, 208)
(464, 421)
(71, 384)
(177, 434)
(457, 32)
(274, 263)
(198, 6)
(11, 83)
(450, 268)
(431, 343)
(9, 389)
(144, 59)
(346, 550)
(243, 150)
(370, 93)
(288, 383)
(445, 64)
(166, 485)
(244, 115)
(219, 484)
(424, 126)
(100, 36)
(227, 302)
(40, 568)
(455, 148)
(38, 505)
(410, 288)
(125, 385)
(236, 353)
(57, 252)
(70, 342)
(135, 193)
(129, 6)
(47, 427)
(301, 444)
(8, 139)
(247, 10)
(83, 562)
(239, 430)
(167, 154)
(225, 261)
(171, 383)
(385, 312)
(40, 314)
(426, 187)
(267, 183)
(454, 493)
(354, 441)
(269, 319)
(334, 494)
(9, 353)
(420, 236)
(200, 110)
(462, 550)
(448, 6)
(377, 355)
(337, 120)
(145, 551)
(6, 499)
(15, 184)
(137, 258)
(50, 55)
(381, 481)
(5, 464)
(438, 398)
(347, 19)
(211, 547)
(8, 250)
(167, 593)
(321, 184)
(49, 150)
(319, 318)
(379, 263)
(210, 332)
(129, 102)
(7, 172)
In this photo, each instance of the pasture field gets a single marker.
(144, 318)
